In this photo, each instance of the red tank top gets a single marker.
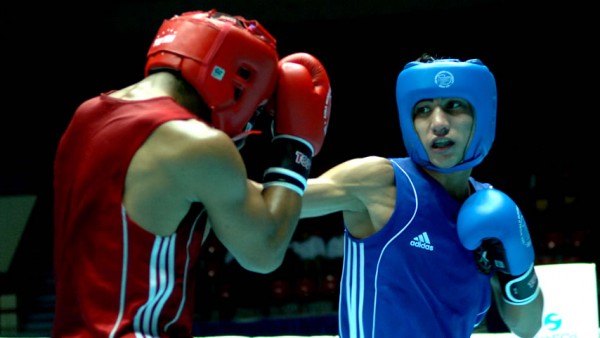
(113, 278)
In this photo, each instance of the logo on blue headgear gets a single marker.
(470, 80)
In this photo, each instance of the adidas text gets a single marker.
(422, 245)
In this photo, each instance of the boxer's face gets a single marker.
(444, 126)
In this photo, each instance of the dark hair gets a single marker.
(425, 57)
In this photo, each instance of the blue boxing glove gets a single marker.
(492, 225)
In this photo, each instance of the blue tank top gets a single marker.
(413, 278)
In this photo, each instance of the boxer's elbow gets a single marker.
(262, 262)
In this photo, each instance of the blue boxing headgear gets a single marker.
(470, 80)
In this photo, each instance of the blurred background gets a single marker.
(56, 55)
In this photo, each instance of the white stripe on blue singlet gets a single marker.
(355, 287)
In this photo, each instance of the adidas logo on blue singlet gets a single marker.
(422, 241)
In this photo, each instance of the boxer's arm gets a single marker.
(254, 225)
(351, 186)
(324, 195)
(331, 192)
(522, 320)
(491, 224)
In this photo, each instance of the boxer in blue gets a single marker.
(427, 245)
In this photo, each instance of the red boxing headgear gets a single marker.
(230, 61)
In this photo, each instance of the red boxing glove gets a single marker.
(303, 99)
(302, 108)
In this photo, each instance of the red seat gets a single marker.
(330, 286)
(306, 289)
(281, 291)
